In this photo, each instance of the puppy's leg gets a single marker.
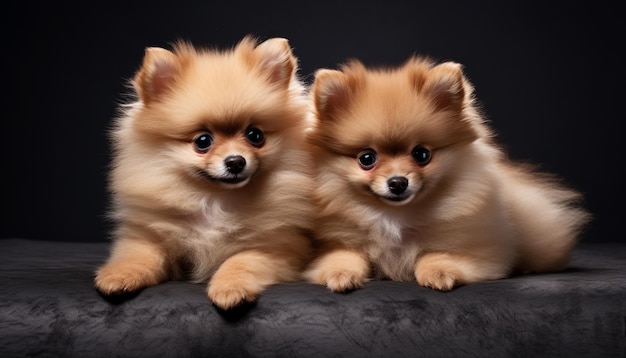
(444, 270)
(243, 276)
(340, 270)
(133, 265)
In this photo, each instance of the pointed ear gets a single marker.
(157, 74)
(444, 85)
(275, 58)
(331, 92)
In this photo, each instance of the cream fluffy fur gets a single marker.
(464, 214)
(184, 211)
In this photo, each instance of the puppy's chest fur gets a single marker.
(212, 234)
(213, 221)
(393, 247)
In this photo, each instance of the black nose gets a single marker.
(397, 185)
(235, 164)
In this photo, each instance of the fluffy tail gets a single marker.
(549, 219)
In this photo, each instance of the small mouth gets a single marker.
(234, 180)
(393, 199)
(396, 200)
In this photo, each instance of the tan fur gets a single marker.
(469, 214)
(181, 212)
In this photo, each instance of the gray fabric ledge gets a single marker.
(49, 308)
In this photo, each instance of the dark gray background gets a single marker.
(549, 76)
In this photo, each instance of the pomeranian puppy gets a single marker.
(411, 185)
(209, 176)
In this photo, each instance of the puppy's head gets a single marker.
(219, 118)
(393, 134)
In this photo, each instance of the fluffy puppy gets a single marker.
(209, 177)
(412, 186)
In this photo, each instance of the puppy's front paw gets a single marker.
(342, 281)
(339, 270)
(227, 294)
(120, 278)
(436, 279)
(439, 271)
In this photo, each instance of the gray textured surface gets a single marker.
(48, 307)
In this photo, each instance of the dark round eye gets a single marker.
(255, 136)
(367, 159)
(203, 142)
(421, 155)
